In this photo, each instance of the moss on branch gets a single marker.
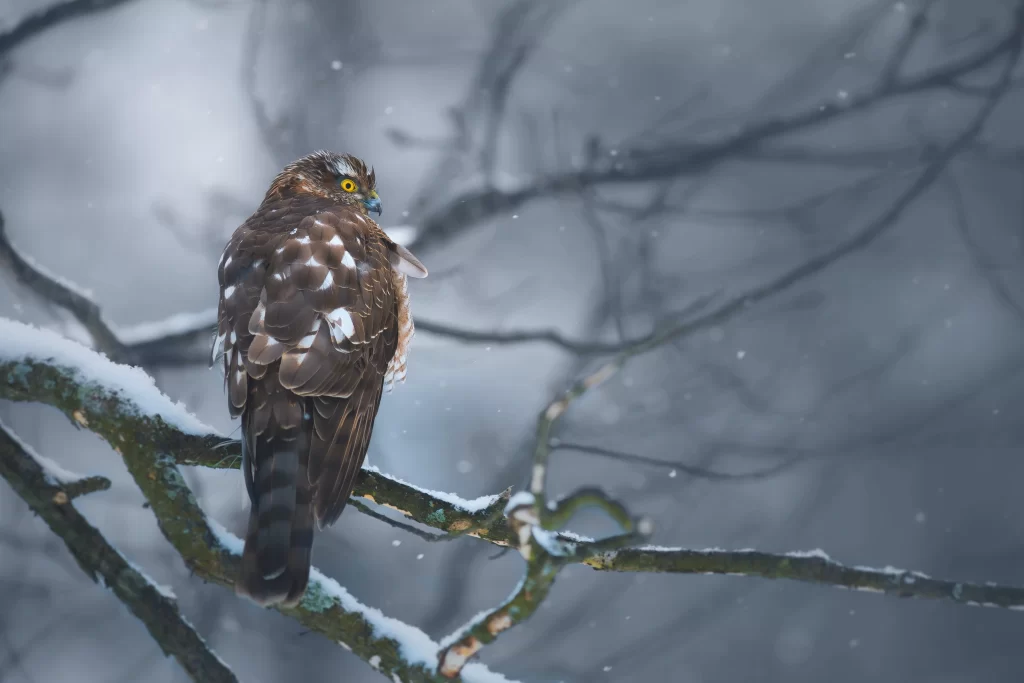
(103, 563)
(809, 567)
(151, 450)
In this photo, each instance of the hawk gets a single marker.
(314, 324)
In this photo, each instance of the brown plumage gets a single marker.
(314, 322)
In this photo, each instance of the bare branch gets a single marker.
(174, 348)
(672, 160)
(691, 470)
(974, 249)
(152, 345)
(891, 72)
(518, 29)
(64, 294)
(534, 519)
(395, 524)
(609, 274)
(180, 347)
(859, 241)
(517, 32)
(498, 338)
(45, 19)
(103, 563)
(274, 133)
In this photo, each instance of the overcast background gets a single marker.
(881, 393)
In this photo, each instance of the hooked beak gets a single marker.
(372, 203)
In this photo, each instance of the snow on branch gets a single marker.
(390, 646)
(154, 436)
(32, 478)
(171, 342)
(150, 432)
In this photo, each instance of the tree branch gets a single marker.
(974, 249)
(685, 468)
(678, 159)
(535, 520)
(147, 441)
(154, 435)
(518, 30)
(184, 339)
(545, 554)
(43, 20)
(57, 290)
(101, 562)
(395, 524)
(810, 567)
(860, 241)
(122, 406)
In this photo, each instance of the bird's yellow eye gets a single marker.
(348, 185)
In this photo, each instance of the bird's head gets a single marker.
(342, 178)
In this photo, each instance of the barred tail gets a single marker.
(279, 540)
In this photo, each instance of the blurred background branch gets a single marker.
(792, 229)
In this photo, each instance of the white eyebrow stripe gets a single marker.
(341, 167)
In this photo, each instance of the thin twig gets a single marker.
(394, 523)
(518, 30)
(85, 486)
(891, 71)
(963, 226)
(691, 470)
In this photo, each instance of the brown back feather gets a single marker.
(309, 317)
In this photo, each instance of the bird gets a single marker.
(313, 326)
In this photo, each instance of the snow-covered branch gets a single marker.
(48, 491)
(155, 436)
(123, 406)
(175, 341)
